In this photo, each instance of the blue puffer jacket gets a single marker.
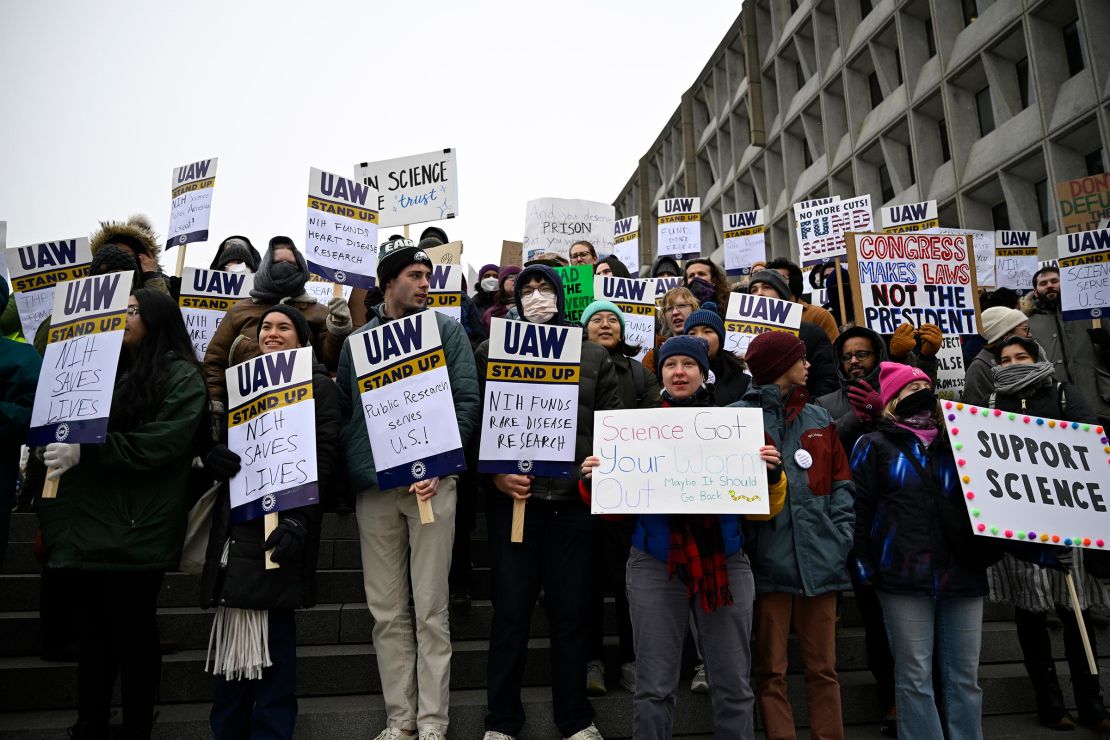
(803, 550)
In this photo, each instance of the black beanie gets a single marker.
(300, 323)
(397, 254)
(236, 248)
(772, 278)
(434, 232)
(112, 258)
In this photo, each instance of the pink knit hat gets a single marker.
(894, 376)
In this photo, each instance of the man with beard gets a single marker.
(1081, 355)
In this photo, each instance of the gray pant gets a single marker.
(660, 609)
(394, 542)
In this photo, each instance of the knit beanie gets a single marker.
(772, 278)
(596, 306)
(999, 320)
(436, 233)
(236, 248)
(487, 268)
(505, 273)
(772, 353)
(695, 348)
(397, 254)
(894, 376)
(300, 323)
(112, 258)
(707, 316)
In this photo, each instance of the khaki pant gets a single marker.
(814, 620)
(415, 669)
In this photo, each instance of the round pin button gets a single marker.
(804, 459)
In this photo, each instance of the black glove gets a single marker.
(774, 475)
(1064, 559)
(221, 463)
(287, 540)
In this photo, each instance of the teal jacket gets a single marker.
(124, 506)
(804, 550)
(464, 389)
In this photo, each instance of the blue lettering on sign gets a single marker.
(195, 171)
(908, 213)
(622, 226)
(629, 290)
(94, 294)
(536, 340)
(223, 283)
(438, 279)
(396, 338)
(755, 307)
(342, 188)
(741, 220)
(48, 254)
(1089, 241)
(1015, 238)
(269, 370)
(678, 205)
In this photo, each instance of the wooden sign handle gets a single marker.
(336, 290)
(269, 524)
(1079, 620)
(180, 260)
(427, 516)
(50, 487)
(518, 520)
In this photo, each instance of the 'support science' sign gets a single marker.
(679, 461)
(1033, 479)
(915, 278)
(413, 189)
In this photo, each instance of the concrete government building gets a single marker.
(981, 105)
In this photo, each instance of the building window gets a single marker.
(793, 7)
(971, 11)
(909, 155)
(898, 64)
(930, 39)
(875, 90)
(864, 8)
(986, 112)
(1046, 207)
(807, 156)
(1073, 48)
(1095, 163)
(886, 187)
(800, 75)
(1025, 84)
(1001, 216)
(945, 152)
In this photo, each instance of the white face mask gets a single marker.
(538, 307)
(489, 284)
(237, 267)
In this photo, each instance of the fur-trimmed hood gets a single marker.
(136, 232)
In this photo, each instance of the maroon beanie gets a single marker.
(771, 354)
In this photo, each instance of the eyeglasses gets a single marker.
(132, 311)
(603, 317)
(678, 307)
(861, 355)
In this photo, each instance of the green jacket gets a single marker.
(124, 506)
(464, 390)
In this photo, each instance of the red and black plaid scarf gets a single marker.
(697, 556)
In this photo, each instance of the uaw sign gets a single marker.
(341, 245)
(34, 271)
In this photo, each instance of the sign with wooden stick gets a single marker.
(34, 271)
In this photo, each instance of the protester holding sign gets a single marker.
(714, 581)
(999, 324)
(799, 555)
(727, 379)
(1023, 384)
(258, 602)
(118, 521)
(393, 539)
(555, 551)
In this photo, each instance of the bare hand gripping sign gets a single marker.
(406, 398)
(530, 410)
(271, 425)
(74, 393)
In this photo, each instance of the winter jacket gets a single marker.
(900, 545)
(471, 321)
(1053, 400)
(822, 317)
(1078, 360)
(804, 549)
(730, 382)
(19, 375)
(627, 386)
(361, 471)
(496, 311)
(822, 371)
(245, 583)
(236, 339)
(848, 425)
(124, 506)
(979, 379)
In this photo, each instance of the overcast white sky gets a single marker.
(101, 100)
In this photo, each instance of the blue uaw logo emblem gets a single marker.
(268, 502)
(419, 469)
(524, 466)
(61, 432)
(340, 276)
(1096, 312)
(183, 238)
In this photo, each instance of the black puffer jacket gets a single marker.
(848, 425)
(626, 383)
(730, 382)
(822, 370)
(1052, 400)
(245, 583)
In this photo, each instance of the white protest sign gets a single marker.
(406, 398)
(984, 253)
(35, 269)
(679, 461)
(74, 393)
(805, 205)
(413, 189)
(821, 228)
(915, 278)
(633, 297)
(206, 296)
(530, 409)
(554, 224)
(271, 425)
(748, 316)
(1084, 274)
(445, 290)
(679, 228)
(191, 204)
(626, 242)
(342, 236)
(1015, 259)
(322, 290)
(1028, 478)
(950, 368)
(660, 285)
(918, 217)
(744, 241)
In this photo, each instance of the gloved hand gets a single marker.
(60, 457)
(865, 400)
(339, 317)
(287, 540)
(1064, 557)
(903, 341)
(931, 339)
(221, 463)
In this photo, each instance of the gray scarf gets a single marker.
(1014, 378)
(277, 280)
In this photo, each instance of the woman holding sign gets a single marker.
(118, 522)
(683, 564)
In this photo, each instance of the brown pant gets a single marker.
(814, 620)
